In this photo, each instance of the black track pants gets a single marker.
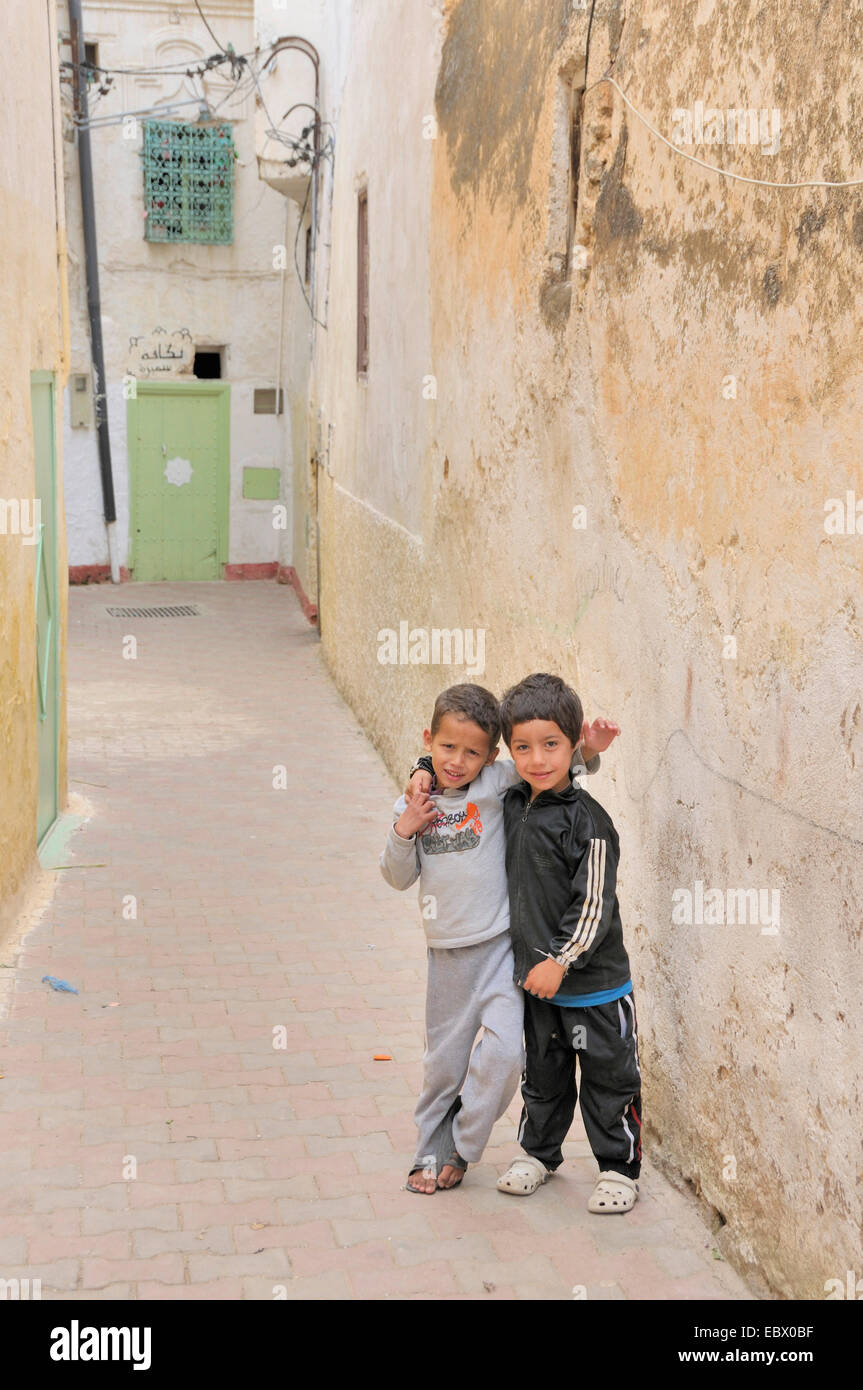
(604, 1039)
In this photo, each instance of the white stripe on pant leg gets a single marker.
(629, 1132)
(622, 1019)
(628, 999)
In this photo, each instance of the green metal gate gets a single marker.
(178, 465)
(42, 401)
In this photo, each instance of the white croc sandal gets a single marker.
(613, 1192)
(523, 1176)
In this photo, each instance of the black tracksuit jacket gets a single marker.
(561, 864)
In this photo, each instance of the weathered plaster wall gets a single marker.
(377, 431)
(719, 505)
(705, 518)
(30, 312)
(225, 295)
(325, 25)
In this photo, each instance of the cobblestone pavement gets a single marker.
(154, 1142)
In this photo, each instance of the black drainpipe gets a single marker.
(91, 269)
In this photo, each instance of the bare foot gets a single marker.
(450, 1176)
(422, 1180)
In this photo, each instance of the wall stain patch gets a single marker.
(490, 91)
(772, 286)
(617, 220)
(810, 224)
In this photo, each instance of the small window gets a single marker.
(188, 182)
(91, 62)
(265, 401)
(208, 364)
(363, 283)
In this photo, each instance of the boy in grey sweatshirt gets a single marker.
(452, 840)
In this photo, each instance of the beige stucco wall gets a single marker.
(31, 340)
(705, 520)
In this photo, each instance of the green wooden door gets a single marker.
(178, 462)
(47, 604)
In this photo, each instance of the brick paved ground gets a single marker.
(256, 908)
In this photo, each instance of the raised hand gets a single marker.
(598, 736)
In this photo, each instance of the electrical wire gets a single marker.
(261, 95)
(278, 392)
(300, 220)
(206, 65)
(246, 79)
(175, 69)
(715, 168)
(144, 113)
(207, 27)
(161, 109)
(240, 91)
(242, 87)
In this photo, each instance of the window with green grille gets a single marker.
(188, 182)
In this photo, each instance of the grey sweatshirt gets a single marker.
(460, 860)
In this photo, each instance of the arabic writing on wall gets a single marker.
(162, 354)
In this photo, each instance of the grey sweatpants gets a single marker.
(469, 988)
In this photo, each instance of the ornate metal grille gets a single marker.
(188, 182)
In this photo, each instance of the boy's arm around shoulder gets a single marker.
(420, 776)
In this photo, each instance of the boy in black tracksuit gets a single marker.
(561, 860)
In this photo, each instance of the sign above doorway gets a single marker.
(161, 354)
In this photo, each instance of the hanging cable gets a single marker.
(715, 168)
(171, 69)
(207, 27)
(242, 90)
(144, 113)
(242, 86)
(300, 276)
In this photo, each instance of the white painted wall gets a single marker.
(328, 26)
(225, 295)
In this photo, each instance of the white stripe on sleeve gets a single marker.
(591, 912)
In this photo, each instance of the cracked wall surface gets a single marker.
(694, 384)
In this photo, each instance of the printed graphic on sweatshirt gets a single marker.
(453, 833)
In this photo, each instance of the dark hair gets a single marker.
(469, 702)
(542, 697)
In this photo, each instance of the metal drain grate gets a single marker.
(177, 610)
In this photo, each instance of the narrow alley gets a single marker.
(205, 1117)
